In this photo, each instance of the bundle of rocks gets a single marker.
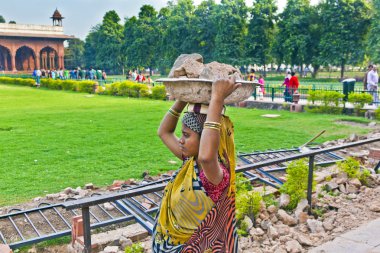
(190, 80)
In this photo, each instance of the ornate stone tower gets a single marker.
(57, 18)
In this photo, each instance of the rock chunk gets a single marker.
(177, 67)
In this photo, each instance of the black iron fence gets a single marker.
(85, 204)
(279, 93)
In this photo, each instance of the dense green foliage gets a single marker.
(103, 47)
(352, 168)
(55, 139)
(329, 101)
(332, 33)
(344, 32)
(134, 248)
(2, 19)
(359, 100)
(261, 31)
(18, 81)
(296, 182)
(248, 203)
(374, 36)
(74, 54)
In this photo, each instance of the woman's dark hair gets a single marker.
(252, 71)
(293, 73)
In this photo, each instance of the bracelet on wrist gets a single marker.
(174, 113)
(212, 125)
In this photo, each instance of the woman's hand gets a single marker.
(222, 88)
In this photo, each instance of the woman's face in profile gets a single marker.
(189, 142)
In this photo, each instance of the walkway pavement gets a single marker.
(364, 239)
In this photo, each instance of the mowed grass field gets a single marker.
(50, 140)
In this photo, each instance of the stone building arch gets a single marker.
(25, 58)
(5, 59)
(49, 58)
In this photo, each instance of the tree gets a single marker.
(345, 27)
(231, 31)
(90, 46)
(74, 54)
(313, 51)
(178, 24)
(141, 39)
(12, 22)
(104, 43)
(205, 29)
(374, 35)
(261, 31)
(2, 20)
(293, 38)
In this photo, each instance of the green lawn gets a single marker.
(54, 139)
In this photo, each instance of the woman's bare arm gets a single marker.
(167, 128)
(209, 143)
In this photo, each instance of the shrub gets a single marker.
(112, 89)
(159, 92)
(330, 101)
(312, 96)
(101, 90)
(377, 113)
(359, 100)
(68, 85)
(248, 203)
(296, 182)
(243, 227)
(122, 89)
(85, 86)
(134, 248)
(352, 168)
(242, 183)
(18, 81)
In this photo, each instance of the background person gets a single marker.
(193, 218)
(372, 84)
(293, 83)
(262, 88)
(287, 96)
(252, 75)
(365, 83)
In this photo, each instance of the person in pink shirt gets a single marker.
(288, 97)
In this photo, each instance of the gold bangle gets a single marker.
(173, 114)
(211, 127)
(213, 123)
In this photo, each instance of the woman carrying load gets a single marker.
(197, 212)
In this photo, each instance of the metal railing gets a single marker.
(85, 204)
(278, 92)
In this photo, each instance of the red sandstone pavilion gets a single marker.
(28, 47)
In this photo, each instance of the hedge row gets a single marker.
(80, 86)
(126, 88)
(330, 101)
(19, 81)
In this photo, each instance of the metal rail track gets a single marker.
(48, 221)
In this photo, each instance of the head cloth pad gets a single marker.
(194, 121)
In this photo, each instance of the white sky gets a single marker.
(80, 15)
